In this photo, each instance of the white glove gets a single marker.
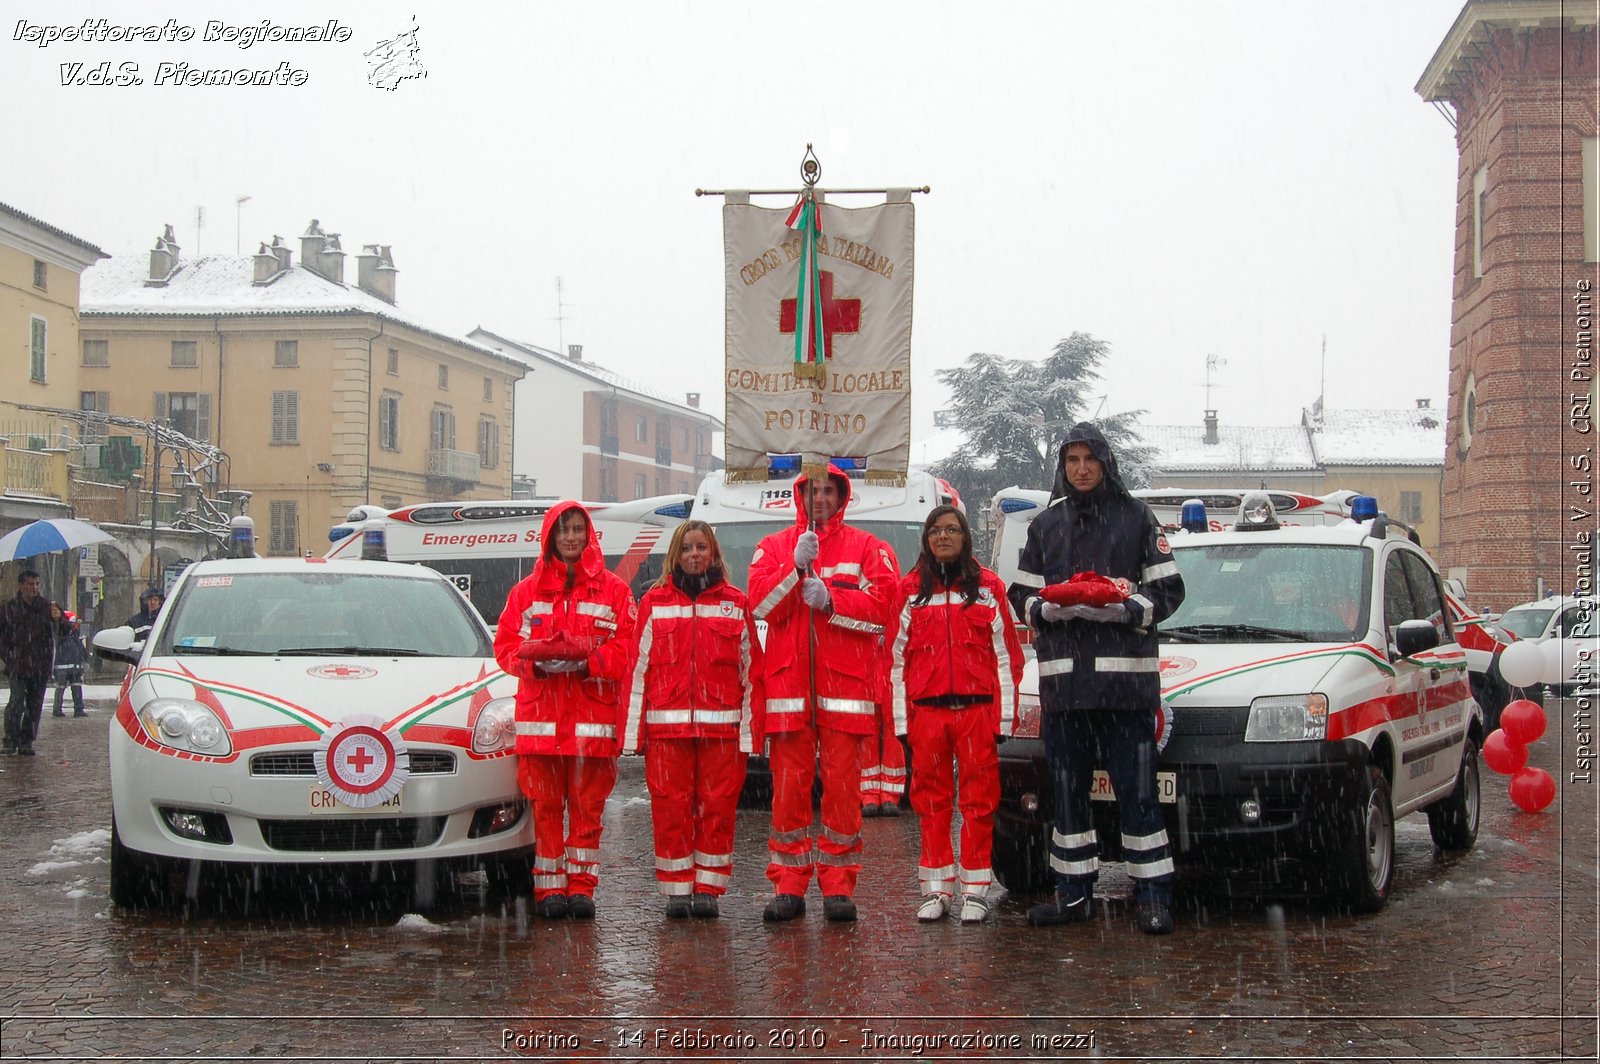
(805, 549)
(1116, 613)
(558, 665)
(1052, 611)
(815, 592)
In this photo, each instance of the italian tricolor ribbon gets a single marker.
(805, 218)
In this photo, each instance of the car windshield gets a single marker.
(321, 611)
(739, 541)
(1287, 592)
(1528, 623)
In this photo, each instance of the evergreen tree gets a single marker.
(1014, 414)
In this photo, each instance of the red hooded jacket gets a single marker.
(569, 712)
(860, 571)
(697, 671)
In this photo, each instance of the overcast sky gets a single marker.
(1180, 179)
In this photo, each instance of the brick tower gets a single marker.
(1520, 79)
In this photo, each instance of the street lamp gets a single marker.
(238, 212)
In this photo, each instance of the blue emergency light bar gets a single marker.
(1363, 508)
(336, 534)
(374, 543)
(678, 509)
(1193, 516)
(1013, 506)
(788, 465)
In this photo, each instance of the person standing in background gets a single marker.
(70, 658)
(27, 646)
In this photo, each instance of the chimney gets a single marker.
(575, 352)
(693, 399)
(281, 250)
(311, 244)
(266, 266)
(375, 272)
(330, 260)
(1211, 426)
(163, 259)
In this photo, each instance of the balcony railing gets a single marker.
(458, 468)
(35, 472)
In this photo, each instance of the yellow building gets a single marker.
(322, 393)
(40, 267)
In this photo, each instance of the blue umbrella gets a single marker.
(47, 537)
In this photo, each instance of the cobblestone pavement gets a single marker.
(1490, 956)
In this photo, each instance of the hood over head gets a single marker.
(803, 516)
(590, 564)
(1085, 432)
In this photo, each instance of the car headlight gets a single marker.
(182, 724)
(1287, 718)
(496, 729)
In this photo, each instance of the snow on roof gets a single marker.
(1380, 437)
(224, 286)
(535, 355)
(1182, 448)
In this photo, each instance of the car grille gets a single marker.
(299, 763)
(1228, 720)
(351, 835)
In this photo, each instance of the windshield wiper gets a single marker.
(1226, 633)
(351, 650)
(179, 651)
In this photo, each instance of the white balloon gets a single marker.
(1553, 651)
(1521, 664)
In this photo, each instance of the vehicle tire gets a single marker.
(1021, 856)
(138, 881)
(1453, 821)
(510, 874)
(1366, 858)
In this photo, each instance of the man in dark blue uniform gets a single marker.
(1099, 675)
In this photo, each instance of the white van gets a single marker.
(486, 547)
(1573, 658)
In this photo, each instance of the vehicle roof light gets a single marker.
(374, 543)
(783, 465)
(1194, 516)
(1256, 513)
(1363, 508)
(854, 468)
(242, 537)
(1014, 506)
(676, 509)
(339, 532)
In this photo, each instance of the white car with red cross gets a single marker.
(1312, 693)
(307, 712)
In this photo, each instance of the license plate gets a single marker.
(1166, 787)
(323, 802)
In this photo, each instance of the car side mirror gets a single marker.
(118, 644)
(1413, 637)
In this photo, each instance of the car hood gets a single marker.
(276, 700)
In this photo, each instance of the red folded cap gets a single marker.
(1085, 589)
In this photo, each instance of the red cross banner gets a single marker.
(819, 335)
(360, 762)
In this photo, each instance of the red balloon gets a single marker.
(1533, 789)
(1503, 753)
(1523, 720)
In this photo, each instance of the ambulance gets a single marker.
(486, 547)
(1313, 692)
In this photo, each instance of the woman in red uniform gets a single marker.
(567, 634)
(696, 707)
(956, 666)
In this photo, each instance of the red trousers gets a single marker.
(946, 743)
(694, 793)
(568, 795)
(883, 763)
(836, 859)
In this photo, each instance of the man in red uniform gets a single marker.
(824, 589)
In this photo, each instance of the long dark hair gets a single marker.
(968, 574)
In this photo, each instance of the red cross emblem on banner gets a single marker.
(360, 760)
(838, 315)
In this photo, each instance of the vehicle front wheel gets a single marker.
(1366, 860)
(138, 880)
(1453, 820)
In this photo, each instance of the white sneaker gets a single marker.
(974, 909)
(933, 908)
